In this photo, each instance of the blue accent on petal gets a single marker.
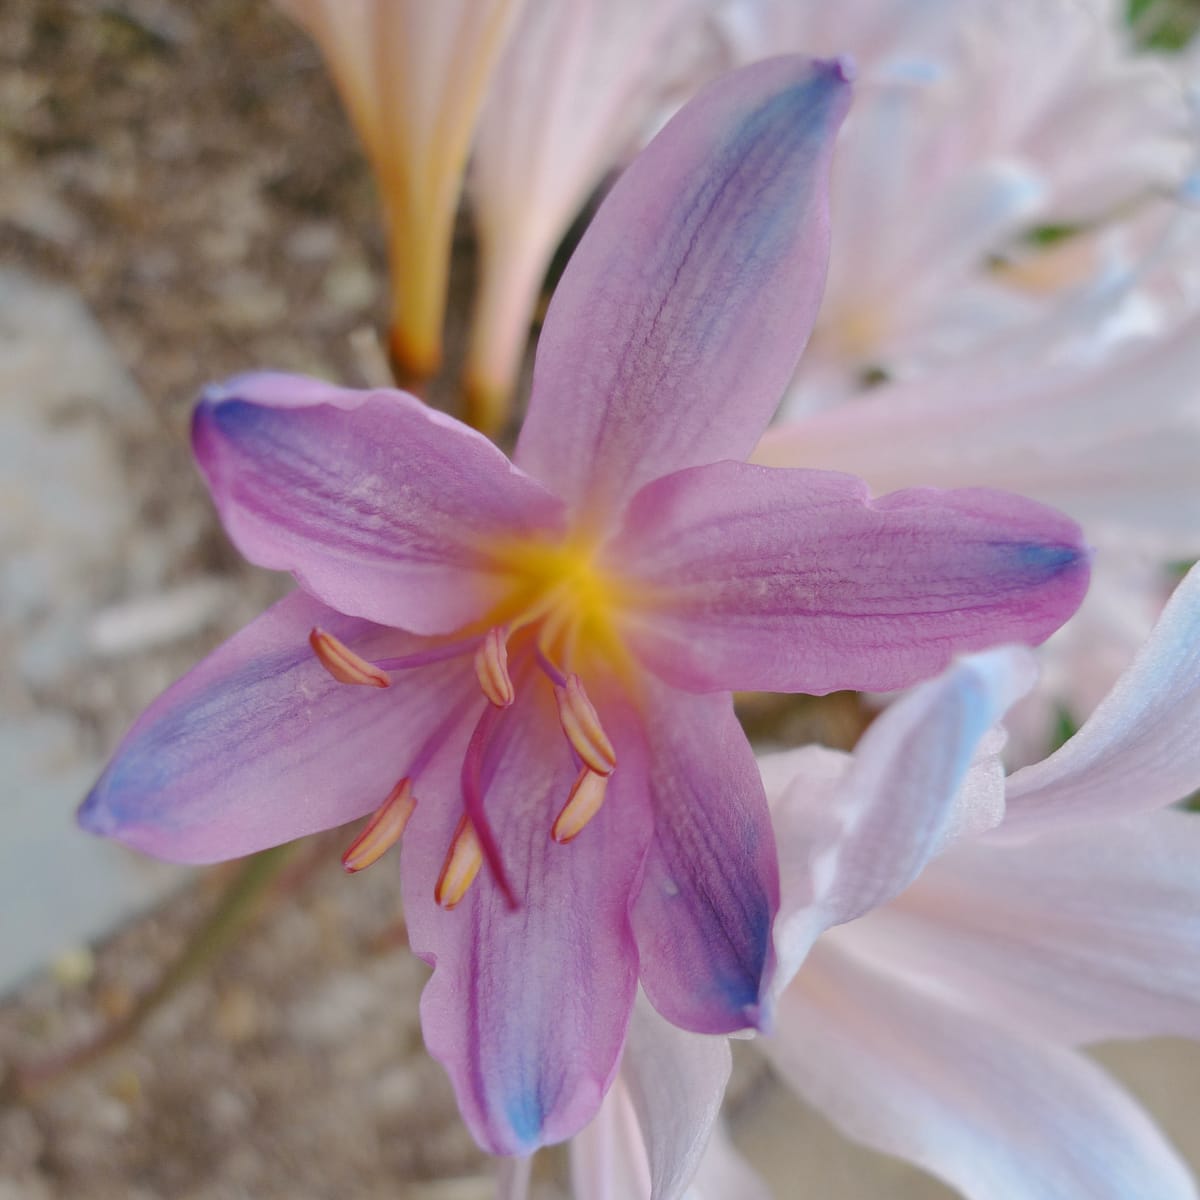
(175, 743)
(526, 1116)
(778, 142)
(234, 417)
(1047, 560)
(94, 815)
(744, 991)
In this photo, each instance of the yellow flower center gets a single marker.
(574, 602)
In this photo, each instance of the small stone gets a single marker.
(228, 1110)
(115, 1001)
(349, 285)
(74, 967)
(126, 1086)
(339, 1006)
(237, 1016)
(21, 1140)
(34, 208)
(398, 1091)
(158, 619)
(314, 242)
(248, 303)
(110, 1115)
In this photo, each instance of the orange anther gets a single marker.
(383, 829)
(343, 664)
(463, 860)
(587, 794)
(581, 724)
(491, 669)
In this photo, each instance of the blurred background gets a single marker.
(181, 198)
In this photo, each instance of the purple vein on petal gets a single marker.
(685, 308)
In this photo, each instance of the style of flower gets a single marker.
(413, 76)
(514, 655)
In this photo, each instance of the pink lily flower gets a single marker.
(1002, 924)
(413, 75)
(576, 93)
(547, 647)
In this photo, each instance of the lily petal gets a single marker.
(1065, 434)
(724, 1172)
(797, 581)
(1070, 935)
(676, 1081)
(259, 745)
(997, 1116)
(1138, 751)
(711, 890)
(683, 311)
(608, 1157)
(527, 1009)
(378, 505)
(847, 848)
(650, 1135)
(575, 91)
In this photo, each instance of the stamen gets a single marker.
(383, 830)
(462, 864)
(587, 795)
(491, 669)
(343, 664)
(581, 724)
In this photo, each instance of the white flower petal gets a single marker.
(994, 1114)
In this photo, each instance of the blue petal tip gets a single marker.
(525, 1120)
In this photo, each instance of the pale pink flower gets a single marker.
(975, 122)
(1068, 372)
(1001, 925)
